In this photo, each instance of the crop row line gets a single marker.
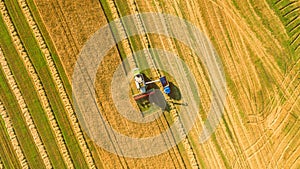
(143, 36)
(62, 92)
(291, 11)
(16, 91)
(289, 7)
(13, 137)
(121, 31)
(45, 103)
(292, 21)
(146, 43)
(174, 113)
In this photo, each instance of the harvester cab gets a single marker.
(139, 80)
(141, 85)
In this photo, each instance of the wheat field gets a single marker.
(257, 41)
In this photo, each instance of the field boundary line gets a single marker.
(13, 137)
(58, 82)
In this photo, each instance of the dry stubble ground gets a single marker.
(261, 121)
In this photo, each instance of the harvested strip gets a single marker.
(61, 89)
(120, 28)
(145, 42)
(12, 136)
(143, 36)
(174, 111)
(44, 100)
(16, 91)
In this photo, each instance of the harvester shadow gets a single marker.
(182, 104)
(158, 98)
(150, 86)
(175, 92)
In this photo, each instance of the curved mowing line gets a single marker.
(291, 11)
(291, 21)
(21, 102)
(62, 92)
(13, 137)
(294, 28)
(284, 7)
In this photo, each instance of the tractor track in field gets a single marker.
(211, 150)
(13, 137)
(71, 40)
(114, 9)
(174, 112)
(286, 90)
(207, 148)
(280, 121)
(66, 101)
(254, 145)
(214, 13)
(288, 140)
(238, 38)
(247, 108)
(250, 83)
(254, 126)
(291, 74)
(245, 31)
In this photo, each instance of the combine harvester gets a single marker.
(141, 85)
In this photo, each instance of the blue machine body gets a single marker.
(165, 84)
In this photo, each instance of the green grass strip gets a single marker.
(29, 93)
(62, 118)
(49, 86)
(21, 130)
(10, 160)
